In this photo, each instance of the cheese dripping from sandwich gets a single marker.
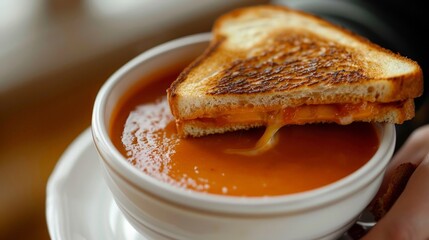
(342, 114)
(267, 141)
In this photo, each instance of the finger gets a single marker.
(408, 217)
(413, 151)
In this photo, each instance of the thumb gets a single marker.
(408, 217)
(413, 151)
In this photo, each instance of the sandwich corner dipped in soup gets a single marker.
(313, 87)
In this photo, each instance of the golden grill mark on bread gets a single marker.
(290, 61)
(173, 89)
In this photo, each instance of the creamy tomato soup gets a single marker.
(304, 158)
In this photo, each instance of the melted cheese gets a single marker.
(341, 114)
(267, 141)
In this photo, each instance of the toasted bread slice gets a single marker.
(265, 59)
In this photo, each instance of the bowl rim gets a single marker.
(148, 185)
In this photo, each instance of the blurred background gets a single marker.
(56, 54)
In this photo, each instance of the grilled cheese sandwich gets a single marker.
(273, 66)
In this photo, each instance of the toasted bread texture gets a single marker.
(279, 57)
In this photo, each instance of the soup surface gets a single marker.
(305, 157)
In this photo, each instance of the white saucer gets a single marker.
(79, 204)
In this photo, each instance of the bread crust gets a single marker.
(172, 91)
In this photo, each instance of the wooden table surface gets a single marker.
(33, 138)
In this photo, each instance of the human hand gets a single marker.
(409, 216)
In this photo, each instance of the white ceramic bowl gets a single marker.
(161, 211)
